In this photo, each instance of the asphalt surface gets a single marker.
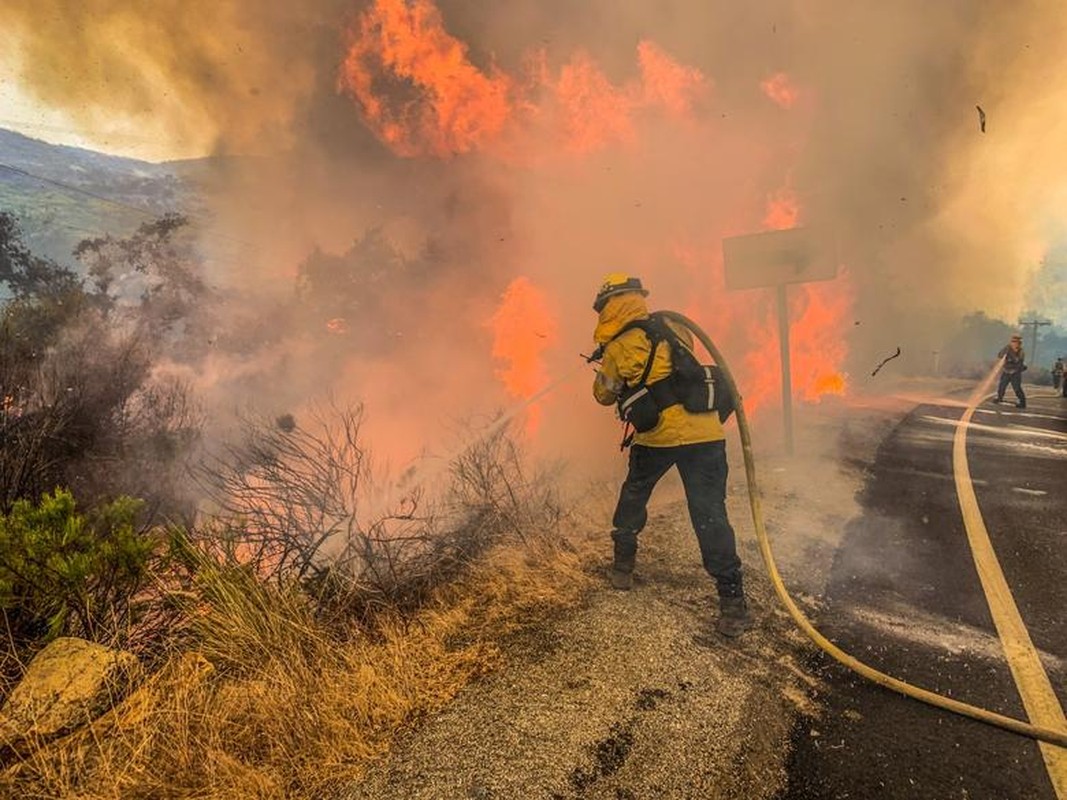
(904, 596)
(632, 696)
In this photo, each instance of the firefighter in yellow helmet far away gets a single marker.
(640, 372)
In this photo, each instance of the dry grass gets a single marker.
(278, 683)
(276, 704)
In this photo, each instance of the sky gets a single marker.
(116, 134)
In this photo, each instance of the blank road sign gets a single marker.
(794, 255)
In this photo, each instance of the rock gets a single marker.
(186, 670)
(67, 684)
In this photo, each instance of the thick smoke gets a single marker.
(230, 76)
(939, 217)
(857, 117)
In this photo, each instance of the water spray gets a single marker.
(428, 469)
(1055, 737)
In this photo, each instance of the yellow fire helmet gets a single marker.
(616, 283)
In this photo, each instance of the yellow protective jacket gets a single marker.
(624, 362)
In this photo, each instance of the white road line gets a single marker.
(1015, 412)
(1012, 430)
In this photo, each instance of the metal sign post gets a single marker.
(779, 258)
(787, 371)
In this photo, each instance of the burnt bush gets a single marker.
(294, 503)
(80, 407)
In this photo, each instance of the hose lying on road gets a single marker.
(932, 698)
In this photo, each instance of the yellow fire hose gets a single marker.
(932, 698)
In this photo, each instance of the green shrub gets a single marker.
(62, 572)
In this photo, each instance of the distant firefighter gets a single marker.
(1012, 370)
(1057, 374)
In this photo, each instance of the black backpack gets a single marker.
(700, 388)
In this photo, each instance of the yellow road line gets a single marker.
(1035, 688)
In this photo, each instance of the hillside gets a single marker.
(62, 194)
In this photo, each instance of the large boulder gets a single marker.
(189, 671)
(69, 683)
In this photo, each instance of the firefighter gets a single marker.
(1057, 374)
(694, 442)
(1012, 370)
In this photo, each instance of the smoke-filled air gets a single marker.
(343, 453)
(483, 165)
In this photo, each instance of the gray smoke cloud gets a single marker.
(935, 218)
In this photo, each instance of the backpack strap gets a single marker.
(668, 333)
(662, 391)
(654, 329)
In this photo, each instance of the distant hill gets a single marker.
(62, 194)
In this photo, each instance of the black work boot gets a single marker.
(622, 578)
(622, 569)
(734, 616)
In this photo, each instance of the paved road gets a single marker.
(904, 595)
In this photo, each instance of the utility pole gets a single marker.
(1033, 337)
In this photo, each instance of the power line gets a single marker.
(120, 204)
(225, 255)
(229, 259)
(81, 191)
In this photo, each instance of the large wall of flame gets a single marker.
(857, 116)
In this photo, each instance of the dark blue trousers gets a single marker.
(1016, 381)
(703, 470)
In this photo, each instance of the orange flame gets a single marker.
(421, 94)
(524, 327)
(746, 322)
(819, 314)
(594, 112)
(449, 106)
(783, 210)
(780, 90)
(667, 83)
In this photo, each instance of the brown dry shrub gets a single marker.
(279, 700)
